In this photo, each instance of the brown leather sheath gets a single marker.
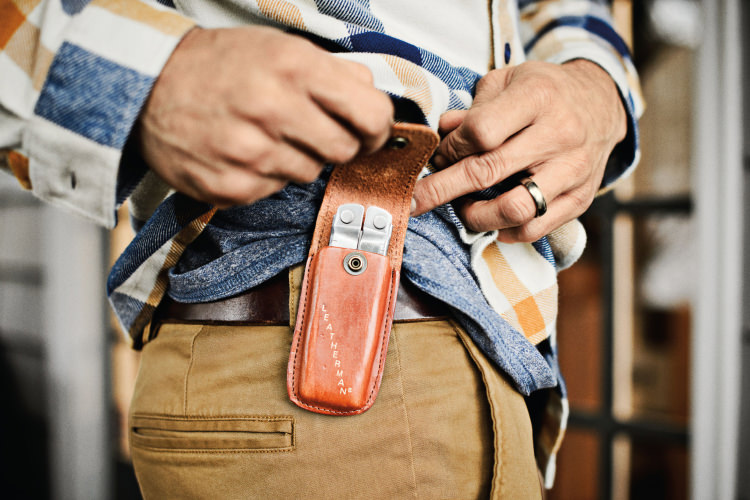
(344, 319)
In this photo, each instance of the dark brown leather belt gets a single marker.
(268, 303)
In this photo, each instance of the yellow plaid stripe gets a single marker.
(27, 51)
(412, 77)
(182, 240)
(168, 22)
(12, 18)
(533, 314)
(282, 12)
(18, 165)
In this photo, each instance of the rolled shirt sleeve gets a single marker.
(76, 74)
(566, 30)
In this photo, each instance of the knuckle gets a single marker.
(581, 199)
(582, 167)
(309, 173)
(342, 149)
(293, 50)
(478, 132)
(498, 164)
(218, 190)
(472, 218)
(529, 234)
(482, 172)
(238, 147)
(515, 210)
(376, 120)
(362, 72)
(570, 131)
(433, 193)
(207, 186)
(195, 186)
(265, 165)
(543, 92)
(232, 189)
(304, 169)
(485, 83)
(493, 81)
(267, 113)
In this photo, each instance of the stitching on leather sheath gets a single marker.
(384, 345)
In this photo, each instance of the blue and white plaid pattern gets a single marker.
(77, 72)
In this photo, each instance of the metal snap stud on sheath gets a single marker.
(355, 263)
(398, 142)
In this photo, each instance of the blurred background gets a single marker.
(653, 330)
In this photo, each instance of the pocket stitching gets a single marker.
(137, 440)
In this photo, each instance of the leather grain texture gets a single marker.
(385, 179)
(345, 337)
(358, 310)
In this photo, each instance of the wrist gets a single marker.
(595, 77)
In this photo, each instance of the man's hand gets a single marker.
(237, 113)
(558, 123)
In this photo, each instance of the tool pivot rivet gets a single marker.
(347, 216)
(379, 221)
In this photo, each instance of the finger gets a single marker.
(490, 124)
(450, 120)
(517, 207)
(286, 116)
(289, 164)
(244, 146)
(228, 186)
(481, 171)
(563, 209)
(313, 130)
(365, 110)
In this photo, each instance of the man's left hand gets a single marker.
(557, 122)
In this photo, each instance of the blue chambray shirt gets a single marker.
(245, 246)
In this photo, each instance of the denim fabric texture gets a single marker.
(243, 247)
(91, 96)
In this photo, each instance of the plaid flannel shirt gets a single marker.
(75, 74)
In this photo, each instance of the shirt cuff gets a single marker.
(626, 154)
(106, 61)
(608, 51)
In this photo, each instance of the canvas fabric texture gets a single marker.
(211, 419)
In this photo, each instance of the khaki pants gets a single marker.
(211, 418)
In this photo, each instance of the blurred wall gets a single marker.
(743, 465)
(54, 430)
(24, 440)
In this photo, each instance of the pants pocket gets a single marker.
(223, 434)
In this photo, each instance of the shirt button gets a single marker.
(507, 53)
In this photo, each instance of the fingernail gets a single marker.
(439, 161)
(413, 206)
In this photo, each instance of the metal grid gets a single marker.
(604, 423)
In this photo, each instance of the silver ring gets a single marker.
(536, 195)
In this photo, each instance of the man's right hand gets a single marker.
(237, 113)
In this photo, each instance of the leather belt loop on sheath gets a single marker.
(352, 275)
